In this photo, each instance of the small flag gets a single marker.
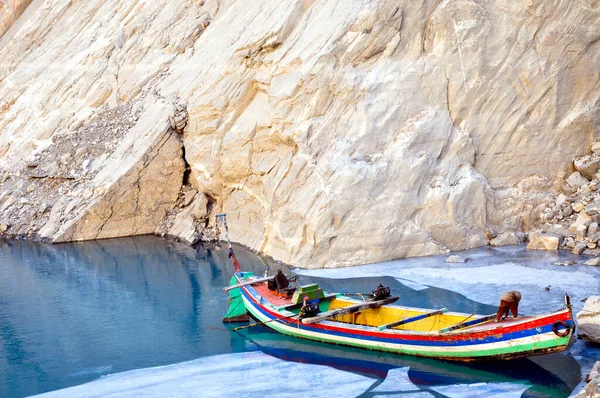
(236, 265)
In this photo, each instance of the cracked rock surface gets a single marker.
(570, 220)
(588, 320)
(61, 171)
(10, 11)
(592, 389)
(331, 132)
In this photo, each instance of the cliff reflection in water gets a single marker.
(71, 312)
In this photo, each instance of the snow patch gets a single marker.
(488, 390)
(91, 371)
(241, 375)
(412, 284)
(397, 380)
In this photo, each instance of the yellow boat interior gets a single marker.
(376, 317)
(383, 317)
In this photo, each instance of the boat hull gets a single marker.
(531, 337)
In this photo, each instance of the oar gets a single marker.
(361, 295)
(261, 323)
(250, 282)
(413, 319)
(467, 324)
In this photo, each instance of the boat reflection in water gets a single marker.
(554, 375)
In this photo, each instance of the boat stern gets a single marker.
(236, 310)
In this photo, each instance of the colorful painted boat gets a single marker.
(444, 335)
(380, 325)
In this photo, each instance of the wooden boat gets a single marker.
(380, 325)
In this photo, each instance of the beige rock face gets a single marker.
(10, 11)
(575, 218)
(455, 259)
(592, 389)
(505, 239)
(130, 196)
(587, 166)
(538, 241)
(588, 320)
(332, 132)
(593, 262)
(186, 224)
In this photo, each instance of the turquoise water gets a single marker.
(71, 313)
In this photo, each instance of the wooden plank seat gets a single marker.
(401, 322)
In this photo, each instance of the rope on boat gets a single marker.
(217, 328)
(262, 323)
(359, 294)
(470, 316)
(235, 306)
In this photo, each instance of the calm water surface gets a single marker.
(71, 313)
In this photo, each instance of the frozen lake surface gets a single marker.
(142, 317)
(542, 277)
(488, 272)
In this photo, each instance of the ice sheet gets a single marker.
(97, 370)
(483, 278)
(396, 380)
(488, 390)
(252, 374)
(485, 284)
(412, 284)
(489, 273)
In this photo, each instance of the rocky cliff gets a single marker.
(332, 132)
(10, 11)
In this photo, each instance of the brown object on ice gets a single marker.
(508, 301)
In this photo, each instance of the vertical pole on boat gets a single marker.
(223, 218)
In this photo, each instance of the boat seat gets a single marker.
(280, 285)
(298, 305)
(287, 291)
